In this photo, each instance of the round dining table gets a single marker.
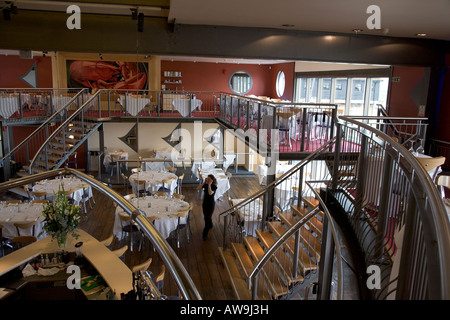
(153, 180)
(164, 212)
(11, 213)
(52, 186)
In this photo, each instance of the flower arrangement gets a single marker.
(60, 218)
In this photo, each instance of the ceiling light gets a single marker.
(357, 30)
(421, 34)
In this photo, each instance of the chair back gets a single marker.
(108, 240)
(129, 196)
(25, 226)
(443, 180)
(121, 251)
(431, 163)
(13, 201)
(39, 201)
(160, 278)
(160, 193)
(21, 241)
(178, 196)
(142, 266)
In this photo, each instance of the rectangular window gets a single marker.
(355, 96)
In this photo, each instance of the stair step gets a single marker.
(241, 254)
(277, 285)
(22, 173)
(239, 284)
(284, 262)
(315, 224)
(304, 259)
(307, 239)
(310, 201)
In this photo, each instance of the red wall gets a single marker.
(443, 128)
(206, 76)
(12, 67)
(400, 102)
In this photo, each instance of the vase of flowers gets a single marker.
(61, 218)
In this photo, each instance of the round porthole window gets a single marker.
(240, 82)
(281, 81)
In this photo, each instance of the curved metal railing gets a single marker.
(396, 212)
(184, 282)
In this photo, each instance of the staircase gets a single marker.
(54, 153)
(278, 279)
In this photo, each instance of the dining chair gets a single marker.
(139, 187)
(129, 227)
(120, 252)
(431, 164)
(13, 201)
(180, 183)
(114, 164)
(85, 196)
(186, 225)
(38, 195)
(171, 169)
(107, 242)
(72, 161)
(159, 280)
(142, 266)
(443, 182)
(69, 194)
(136, 170)
(25, 226)
(21, 241)
(160, 193)
(129, 196)
(178, 196)
(166, 185)
(126, 181)
(28, 190)
(39, 201)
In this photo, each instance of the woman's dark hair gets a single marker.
(213, 178)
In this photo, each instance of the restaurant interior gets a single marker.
(326, 136)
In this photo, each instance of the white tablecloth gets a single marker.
(122, 156)
(223, 185)
(182, 105)
(153, 180)
(23, 212)
(203, 165)
(133, 105)
(251, 213)
(160, 154)
(164, 220)
(8, 106)
(229, 159)
(261, 171)
(284, 193)
(59, 101)
(54, 185)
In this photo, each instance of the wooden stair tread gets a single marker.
(305, 262)
(310, 201)
(238, 282)
(306, 238)
(283, 261)
(315, 224)
(241, 254)
(277, 285)
(244, 259)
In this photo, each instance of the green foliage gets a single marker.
(61, 217)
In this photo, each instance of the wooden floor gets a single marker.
(200, 257)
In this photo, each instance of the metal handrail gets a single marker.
(185, 284)
(67, 121)
(280, 180)
(46, 122)
(435, 221)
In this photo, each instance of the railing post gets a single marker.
(296, 254)
(225, 226)
(248, 114)
(326, 262)
(303, 124)
(337, 154)
(385, 201)
(361, 181)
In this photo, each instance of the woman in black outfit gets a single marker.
(209, 187)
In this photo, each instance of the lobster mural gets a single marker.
(108, 75)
